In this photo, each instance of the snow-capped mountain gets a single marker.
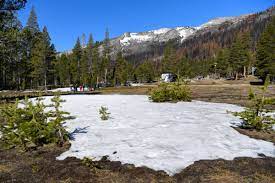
(195, 42)
(136, 43)
(166, 34)
(160, 35)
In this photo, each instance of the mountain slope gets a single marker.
(194, 42)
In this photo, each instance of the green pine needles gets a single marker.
(171, 92)
(33, 124)
(256, 116)
(104, 114)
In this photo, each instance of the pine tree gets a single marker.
(223, 67)
(121, 70)
(76, 56)
(169, 61)
(265, 54)
(8, 9)
(62, 70)
(106, 43)
(239, 54)
(89, 49)
(42, 58)
(105, 62)
(32, 23)
(145, 72)
(84, 68)
(95, 64)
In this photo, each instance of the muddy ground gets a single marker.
(41, 166)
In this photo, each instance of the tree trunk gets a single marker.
(105, 76)
(97, 82)
(45, 81)
(244, 71)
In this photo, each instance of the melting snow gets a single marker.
(165, 136)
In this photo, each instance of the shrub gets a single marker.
(32, 125)
(104, 114)
(167, 92)
(255, 116)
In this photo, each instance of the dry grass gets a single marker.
(225, 93)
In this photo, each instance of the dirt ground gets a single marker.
(41, 166)
(221, 93)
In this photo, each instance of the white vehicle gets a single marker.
(168, 77)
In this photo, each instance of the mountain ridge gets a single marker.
(140, 46)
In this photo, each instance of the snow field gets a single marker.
(166, 136)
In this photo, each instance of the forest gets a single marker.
(29, 59)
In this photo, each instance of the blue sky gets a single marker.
(68, 19)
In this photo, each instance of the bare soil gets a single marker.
(41, 166)
(262, 135)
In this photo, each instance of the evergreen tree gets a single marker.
(145, 72)
(10, 48)
(239, 54)
(42, 58)
(7, 11)
(121, 70)
(89, 49)
(106, 43)
(76, 56)
(223, 67)
(62, 70)
(32, 23)
(184, 68)
(265, 54)
(84, 68)
(169, 61)
(95, 64)
(105, 61)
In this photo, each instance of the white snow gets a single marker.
(161, 136)
(220, 20)
(185, 32)
(160, 31)
(61, 90)
(136, 37)
(216, 21)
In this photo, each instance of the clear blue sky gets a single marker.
(68, 19)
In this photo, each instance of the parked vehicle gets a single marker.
(168, 77)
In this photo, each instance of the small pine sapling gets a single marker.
(57, 120)
(30, 125)
(256, 116)
(171, 92)
(104, 114)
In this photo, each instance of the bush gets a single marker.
(31, 125)
(104, 114)
(167, 92)
(255, 116)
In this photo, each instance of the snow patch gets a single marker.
(166, 136)
(185, 32)
(161, 31)
(61, 90)
(134, 37)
